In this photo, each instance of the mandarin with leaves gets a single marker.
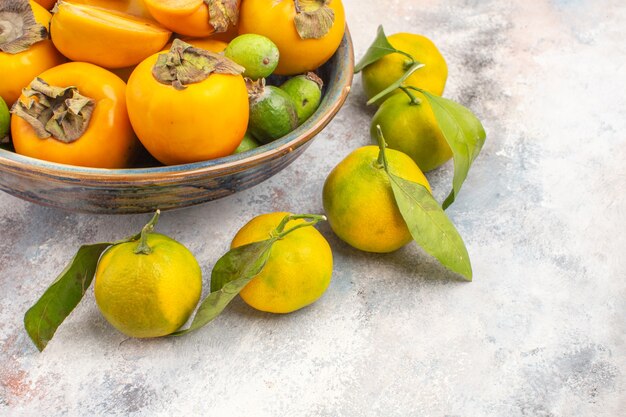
(360, 204)
(299, 267)
(410, 57)
(149, 287)
(378, 200)
(410, 126)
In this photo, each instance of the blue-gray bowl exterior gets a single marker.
(141, 190)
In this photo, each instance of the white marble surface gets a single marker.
(540, 331)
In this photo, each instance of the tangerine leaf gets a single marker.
(429, 225)
(379, 49)
(465, 136)
(44, 318)
(231, 274)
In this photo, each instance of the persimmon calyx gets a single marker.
(185, 64)
(314, 18)
(58, 112)
(223, 14)
(18, 28)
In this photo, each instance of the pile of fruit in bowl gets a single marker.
(131, 105)
(376, 200)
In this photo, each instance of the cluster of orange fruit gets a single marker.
(122, 85)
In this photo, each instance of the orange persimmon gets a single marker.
(47, 4)
(105, 138)
(19, 68)
(181, 120)
(192, 17)
(133, 7)
(106, 38)
(305, 43)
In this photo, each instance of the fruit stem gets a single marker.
(414, 100)
(407, 64)
(142, 247)
(311, 220)
(397, 84)
(382, 157)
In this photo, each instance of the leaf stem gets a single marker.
(382, 145)
(142, 247)
(407, 65)
(311, 220)
(399, 82)
(414, 100)
(412, 87)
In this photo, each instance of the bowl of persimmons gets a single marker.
(126, 106)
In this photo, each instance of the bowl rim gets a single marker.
(224, 165)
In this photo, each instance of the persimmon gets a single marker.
(227, 36)
(133, 7)
(307, 32)
(188, 105)
(25, 50)
(198, 18)
(47, 4)
(89, 125)
(103, 37)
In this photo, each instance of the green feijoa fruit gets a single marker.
(5, 118)
(247, 144)
(306, 92)
(272, 112)
(256, 53)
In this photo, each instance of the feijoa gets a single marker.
(5, 118)
(256, 53)
(247, 144)
(306, 92)
(272, 112)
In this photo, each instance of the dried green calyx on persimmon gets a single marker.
(314, 18)
(58, 112)
(185, 64)
(223, 14)
(18, 28)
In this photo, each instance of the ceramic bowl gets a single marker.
(140, 190)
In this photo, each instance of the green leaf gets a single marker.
(399, 82)
(429, 225)
(230, 275)
(463, 132)
(380, 48)
(42, 319)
